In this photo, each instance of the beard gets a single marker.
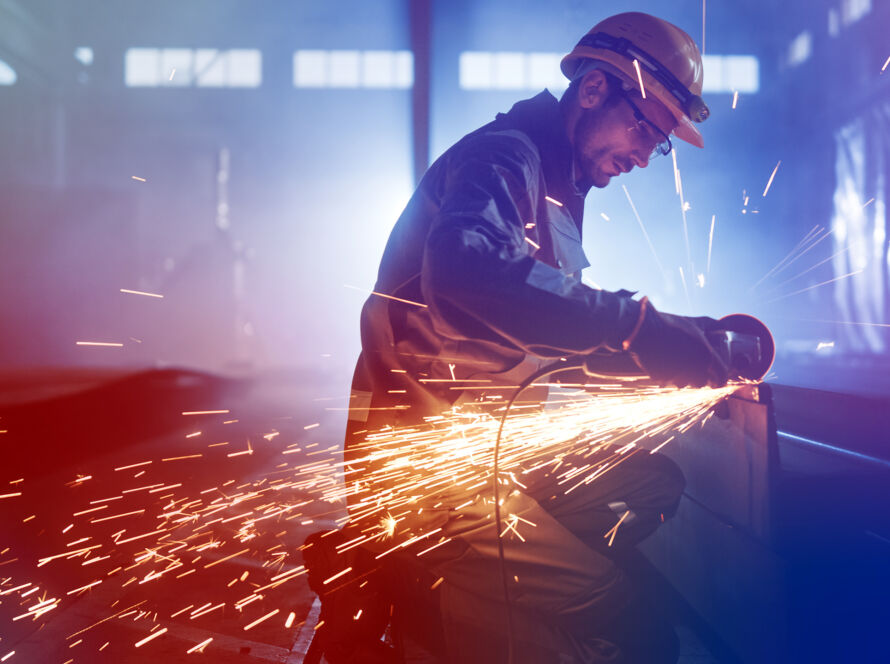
(588, 159)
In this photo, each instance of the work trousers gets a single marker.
(569, 600)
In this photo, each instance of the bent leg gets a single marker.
(642, 490)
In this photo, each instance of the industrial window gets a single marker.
(731, 73)
(353, 69)
(186, 67)
(7, 74)
(800, 49)
(481, 70)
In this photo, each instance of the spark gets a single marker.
(553, 200)
(132, 465)
(684, 207)
(825, 344)
(640, 221)
(614, 530)
(701, 280)
(206, 611)
(810, 269)
(437, 583)
(533, 243)
(151, 636)
(10, 495)
(290, 620)
(205, 412)
(200, 646)
(311, 426)
(640, 77)
(605, 216)
(82, 588)
(808, 288)
(768, 184)
(337, 575)
(137, 178)
(136, 292)
(530, 225)
(117, 516)
(229, 557)
(590, 282)
(388, 297)
(703, 14)
(451, 369)
(711, 241)
(259, 620)
(887, 62)
(110, 344)
(171, 74)
(388, 524)
(447, 461)
(814, 236)
(187, 456)
(7, 655)
(735, 99)
(676, 172)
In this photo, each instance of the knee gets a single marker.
(670, 484)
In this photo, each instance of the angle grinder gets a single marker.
(743, 342)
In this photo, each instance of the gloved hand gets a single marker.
(673, 350)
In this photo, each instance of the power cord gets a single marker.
(551, 369)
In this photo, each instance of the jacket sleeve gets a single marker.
(479, 279)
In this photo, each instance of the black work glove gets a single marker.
(673, 350)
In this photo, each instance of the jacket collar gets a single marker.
(541, 119)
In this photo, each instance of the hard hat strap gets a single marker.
(693, 105)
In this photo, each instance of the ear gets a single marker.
(593, 89)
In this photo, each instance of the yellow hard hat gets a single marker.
(670, 64)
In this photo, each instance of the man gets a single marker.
(480, 284)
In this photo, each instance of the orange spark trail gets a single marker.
(151, 636)
(388, 297)
(399, 481)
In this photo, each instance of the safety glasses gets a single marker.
(663, 144)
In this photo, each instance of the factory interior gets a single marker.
(195, 200)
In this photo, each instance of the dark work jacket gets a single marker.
(488, 256)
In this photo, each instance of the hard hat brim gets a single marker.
(687, 131)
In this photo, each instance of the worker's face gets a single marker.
(608, 139)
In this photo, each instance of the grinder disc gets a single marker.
(745, 324)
